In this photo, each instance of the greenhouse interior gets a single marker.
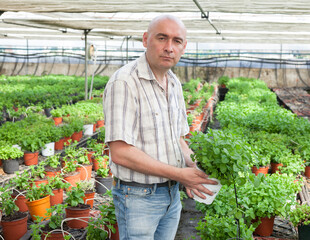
(245, 80)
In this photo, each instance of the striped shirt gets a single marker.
(138, 111)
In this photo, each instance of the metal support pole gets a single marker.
(86, 60)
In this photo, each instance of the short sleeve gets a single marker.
(120, 112)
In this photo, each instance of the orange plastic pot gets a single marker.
(39, 207)
(59, 145)
(89, 156)
(31, 158)
(85, 171)
(72, 179)
(94, 127)
(74, 212)
(58, 197)
(57, 120)
(89, 198)
(263, 170)
(50, 174)
(14, 230)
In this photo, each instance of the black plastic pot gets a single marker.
(304, 232)
(47, 112)
(102, 184)
(10, 166)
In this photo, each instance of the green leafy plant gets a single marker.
(268, 196)
(86, 185)
(75, 197)
(53, 161)
(300, 215)
(36, 193)
(57, 182)
(224, 227)
(222, 155)
(31, 143)
(7, 205)
(57, 112)
(106, 218)
(8, 152)
(223, 80)
(37, 171)
(21, 180)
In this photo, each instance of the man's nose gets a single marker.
(168, 46)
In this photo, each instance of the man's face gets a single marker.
(165, 42)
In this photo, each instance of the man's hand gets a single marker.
(192, 179)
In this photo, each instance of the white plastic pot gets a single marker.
(88, 129)
(48, 149)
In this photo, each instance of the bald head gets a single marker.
(165, 17)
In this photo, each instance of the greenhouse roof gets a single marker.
(238, 21)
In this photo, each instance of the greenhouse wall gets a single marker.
(274, 77)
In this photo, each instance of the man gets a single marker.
(145, 121)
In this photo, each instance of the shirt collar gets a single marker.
(145, 71)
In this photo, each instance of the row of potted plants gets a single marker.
(34, 184)
(251, 135)
(46, 92)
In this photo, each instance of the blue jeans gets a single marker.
(147, 213)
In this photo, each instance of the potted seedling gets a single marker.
(105, 225)
(299, 217)
(77, 213)
(52, 165)
(37, 173)
(14, 222)
(58, 185)
(31, 144)
(20, 185)
(88, 186)
(57, 115)
(53, 227)
(38, 200)
(9, 156)
(103, 178)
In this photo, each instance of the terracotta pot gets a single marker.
(85, 171)
(96, 164)
(39, 207)
(50, 174)
(100, 123)
(57, 120)
(56, 235)
(76, 136)
(20, 201)
(31, 158)
(14, 230)
(40, 181)
(89, 198)
(275, 167)
(60, 144)
(94, 127)
(114, 236)
(89, 156)
(263, 170)
(265, 228)
(72, 179)
(307, 171)
(58, 197)
(83, 214)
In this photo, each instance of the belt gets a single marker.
(169, 183)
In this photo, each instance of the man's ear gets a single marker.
(145, 39)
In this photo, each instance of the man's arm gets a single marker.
(131, 157)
